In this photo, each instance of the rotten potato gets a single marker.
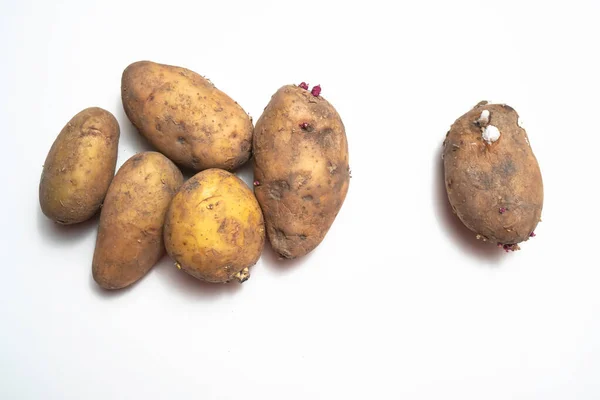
(301, 168)
(214, 228)
(186, 117)
(130, 235)
(492, 177)
(79, 167)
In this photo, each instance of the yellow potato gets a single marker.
(186, 117)
(79, 167)
(130, 236)
(214, 228)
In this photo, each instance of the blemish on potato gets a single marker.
(484, 118)
(277, 188)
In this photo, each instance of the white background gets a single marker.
(399, 301)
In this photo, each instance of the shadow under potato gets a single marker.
(190, 286)
(275, 262)
(455, 229)
(109, 293)
(66, 235)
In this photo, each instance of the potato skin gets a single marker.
(130, 236)
(303, 173)
(186, 117)
(79, 167)
(214, 228)
(495, 189)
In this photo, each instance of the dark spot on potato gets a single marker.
(158, 127)
(195, 160)
(481, 180)
(507, 167)
(324, 138)
(245, 146)
(233, 135)
(137, 159)
(222, 226)
(181, 140)
(331, 167)
(191, 185)
(277, 188)
(307, 198)
(90, 132)
(279, 234)
(302, 237)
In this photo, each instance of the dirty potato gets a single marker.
(79, 167)
(186, 117)
(301, 168)
(214, 228)
(492, 177)
(129, 238)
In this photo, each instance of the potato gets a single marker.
(185, 117)
(130, 234)
(301, 169)
(79, 167)
(493, 179)
(214, 228)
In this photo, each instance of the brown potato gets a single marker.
(186, 117)
(130, 236)
(493, 179)
(214, 229)
(79, 167)
(301, 169)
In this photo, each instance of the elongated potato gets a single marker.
(301, 169)
(186, 117)
(493, 179)
(129, 238)
(214, 229)
(79, 167)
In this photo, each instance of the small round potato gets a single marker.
(186, 117)
(79, 167)
(493, 179)
(214, 228)
(130, 235)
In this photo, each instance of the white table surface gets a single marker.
(399, 301)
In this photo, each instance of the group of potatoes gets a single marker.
(212, 225)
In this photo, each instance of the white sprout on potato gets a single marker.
(490, 134)
(484, 118)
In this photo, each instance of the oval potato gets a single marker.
(492, 177)
(79, 167)
(186, 117)
(130, 236)
(214, 229)
(301, 169)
